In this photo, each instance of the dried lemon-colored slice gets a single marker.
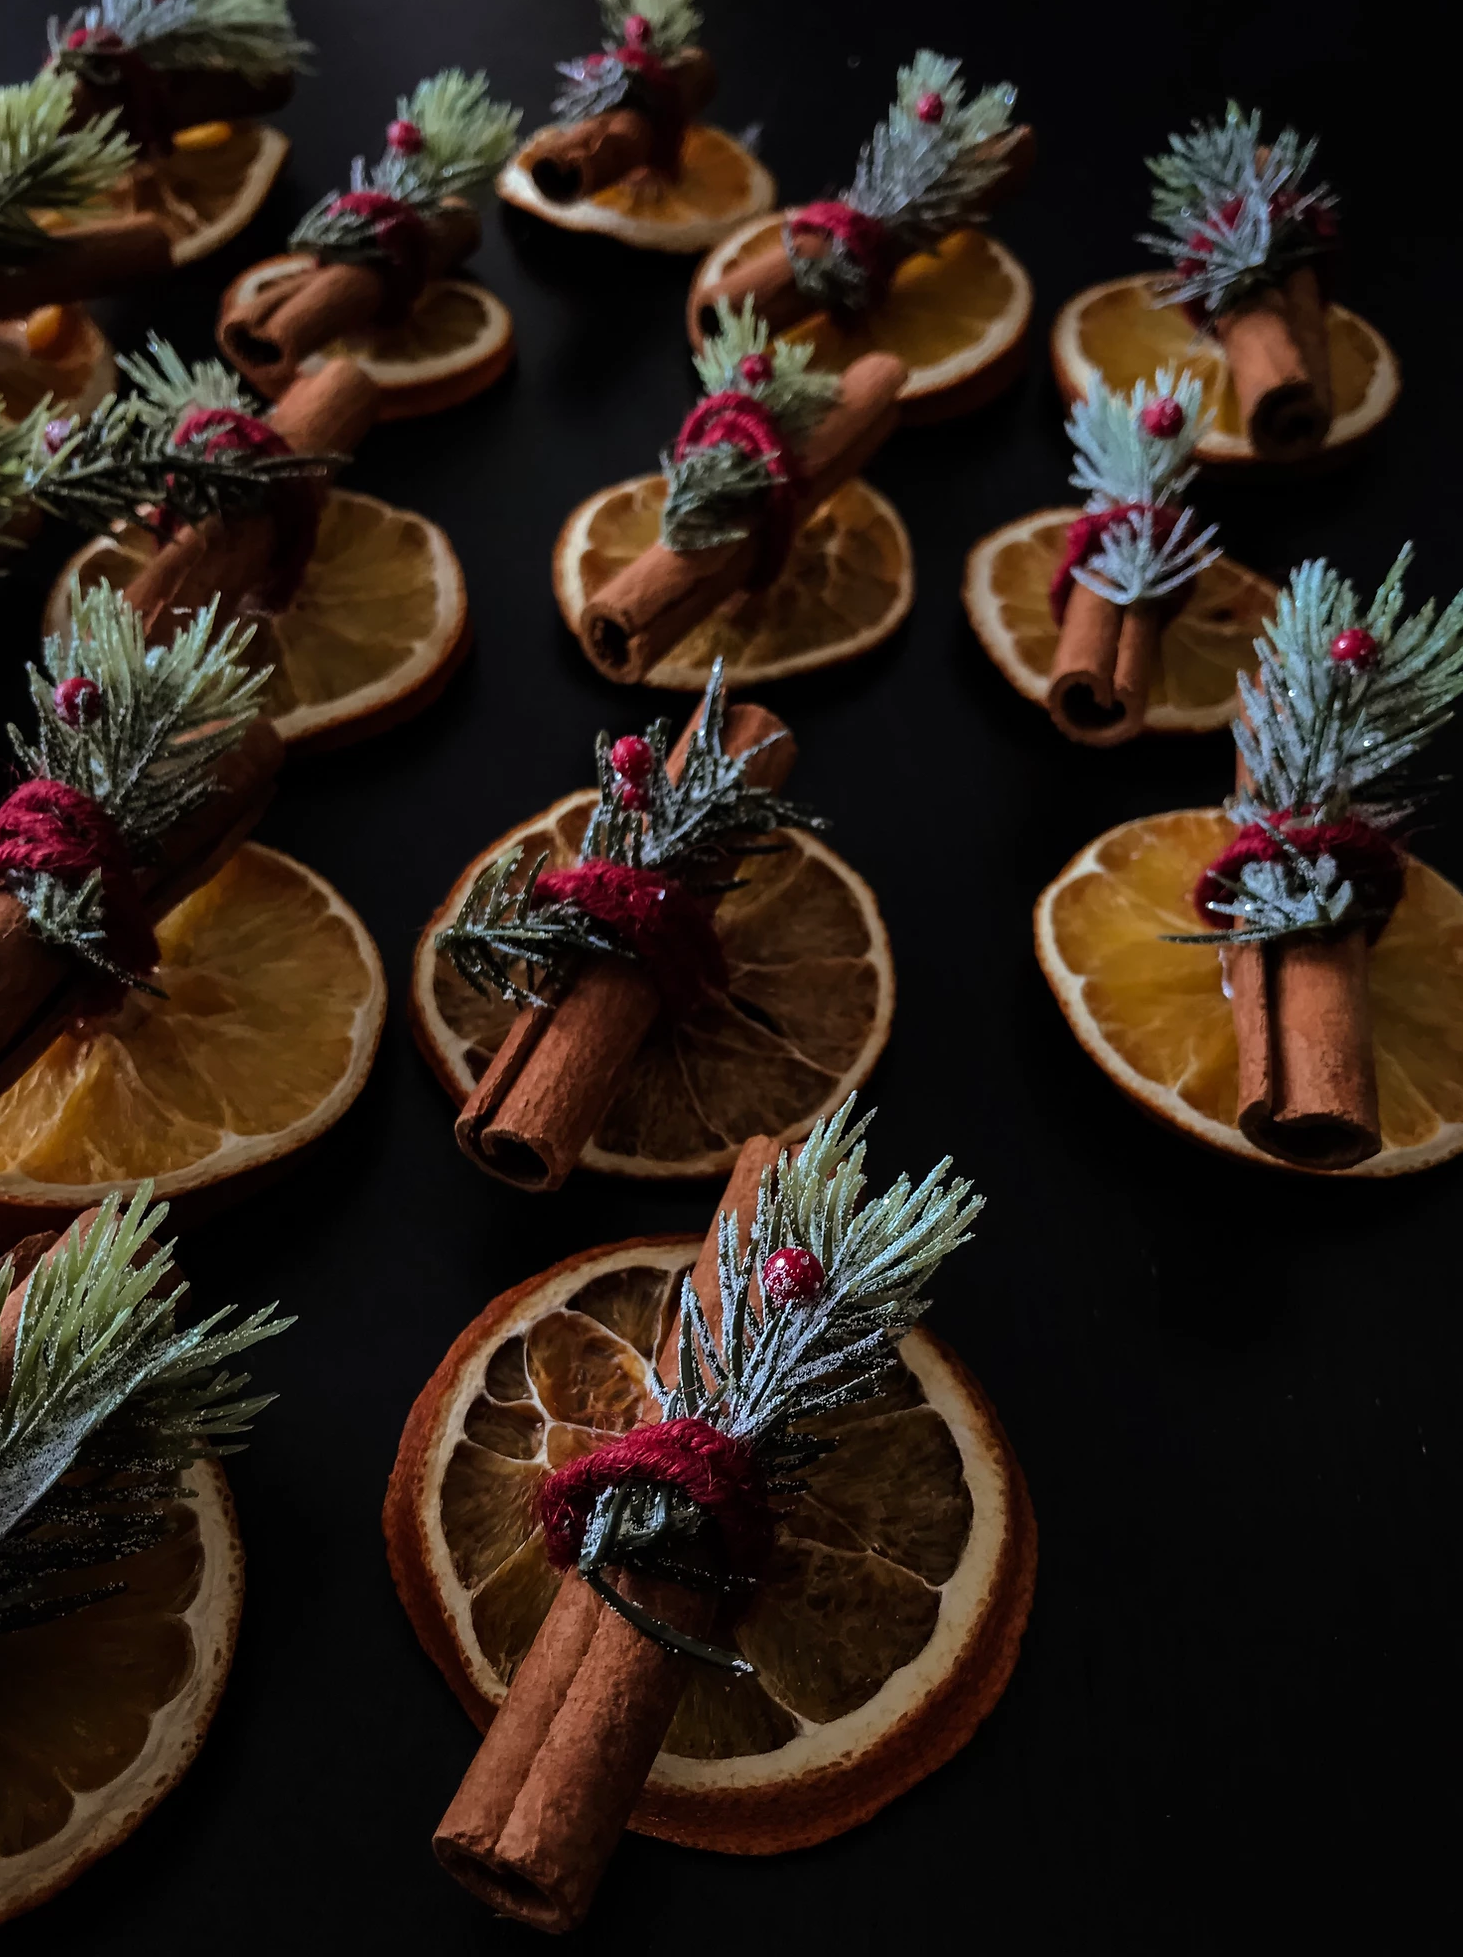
(75, 368)
(275, 1000)
(956, 316)
(806, 1016)
(102, 1712)
(847, 586)
(883, 1630)
(375, 631)
(1154, 1016)
(721, 185)
(1118, 332)
(1008, 578)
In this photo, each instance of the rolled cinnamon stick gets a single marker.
(582, 158)
(1280, 361)
(1303, 1029)
(554, 1077)
(157, 102)
(1103, 669)
(89, 263)
(635, 619)
(267, 332)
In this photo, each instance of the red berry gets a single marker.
(404, 137)
(78, 701)
(1354, 647)
(634, 796)
(1164, 417)
(791, 1277)
(756, 368)
(637, 31)
(595, 60)
(930, 107)
(57, 434)
(77, 38)
(632, 757)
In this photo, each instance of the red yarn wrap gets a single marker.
(659, 100)
(1084, 539)
(401, 237)
(1369, 860)
(656, 916)
(718, 1473)
(864, 238)
(48, 827)
(743, 421)
(296, 505)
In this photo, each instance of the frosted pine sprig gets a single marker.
(168, 383)
(255, 38)
(594, 84)
(45, 166)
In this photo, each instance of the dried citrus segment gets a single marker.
(101, 1712)
(375, 631)
(720, 185)
(1116, 330)
(883, 1629)
(1154, 1016)
(848, 584)
(75, 370)
(806, 1016)
(275, 998)
(1008, 578)
(201, 197)
(956, 316)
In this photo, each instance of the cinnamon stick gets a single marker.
(1303, 1030)
(268, 331)
(1280, 361)
(582, 158)
(647, 608)
(88, 263)
(558, 1071)
(557, 1777)
(1103, 669)
(157, 102)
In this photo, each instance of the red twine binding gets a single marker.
(296, 505)
(401, 236)
(1084, 539)
(49, 828)
(656, 916)
(743, 422)
(718, 1473)
(864, 238)
(1370, 860)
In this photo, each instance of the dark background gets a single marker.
(1233, 1391)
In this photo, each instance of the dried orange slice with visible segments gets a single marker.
(721, 185)
(202, 197)
(847, 586)
(101, 1712)
(883, 1629)
(956, 316)
(1154, 1016)
(275, 1000)
(806, 1016)
(74, 367)
(1008, 578)
(375, 631)
(1116, 331)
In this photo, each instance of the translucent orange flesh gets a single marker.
(715, 181)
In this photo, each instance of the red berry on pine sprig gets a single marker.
(637, 31)
(930, 107)
(791, 1277)
(1354, 647)
(756, 369)
(404, 137)
(77, 701)
(57, 434)
(632, 757)
(634, 795)
(1164, 417)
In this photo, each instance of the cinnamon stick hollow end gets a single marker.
(1103, 669)
(580, 159)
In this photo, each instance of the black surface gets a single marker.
(1234, 1392)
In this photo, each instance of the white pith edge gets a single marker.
(1165, 1101)
(254, 187)
(516, 186)
(104, 1817)
(964, 1598)
(1378, 401)
(236, 1153)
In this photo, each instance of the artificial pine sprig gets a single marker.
(1235, 213)
(449, 140)
(46, 166)
(255, 38)
(108, 1400)
(597, 83)
(174, 388)
(714, 492)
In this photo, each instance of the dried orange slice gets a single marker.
(375, 631)
(957, 317)
(883, 1631)
(1154, 1016)
(201, 197)
(457, 340)
(102, 1712)
(808, 1012)
(847, 586)
(75, 369)
(1117, 331)
(1008, 579)
(275, 1000)
(720, 186)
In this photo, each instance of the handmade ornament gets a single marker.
(770, 452)
(641, 978)
(626, 155)
(1333, 949)
(1287, 374)
(149, 767)
(121, 1569)
(1122, 615)
(186, 80)
(702, 1640)
(368, 272)
(897, 261)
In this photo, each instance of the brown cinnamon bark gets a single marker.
(1103, 669)
(558, 1071)
(1280, 361)
(169, 99)
(585, 157)
(1303, 1029)
(89, 263)
(652, 604)
(288, 318)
